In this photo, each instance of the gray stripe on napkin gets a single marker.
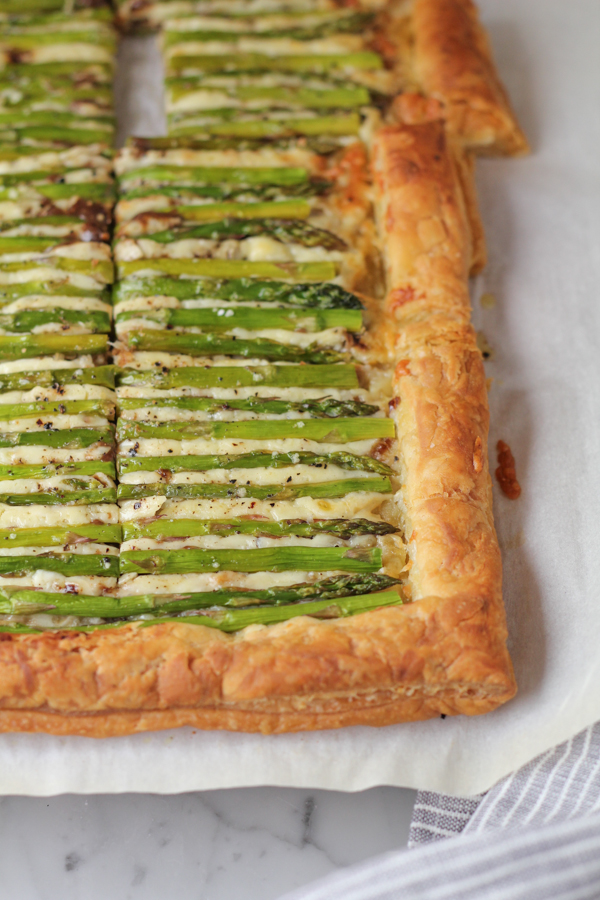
(561, 784)
(555, 862)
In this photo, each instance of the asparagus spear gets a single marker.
(215, 344)
(61, 497)
(225, 191)
(324, 407)
(320, 144)
(99, 191)
(291, 231)
(324, 431)
(10, 292)
(214, 212)
(204, 377)
(23, 381)
(60, 536)
(95, 72)
(206, 175)
(40, 408)
(261, 62)
(28, 319)
(239, 290)
(14, 601)
(47, 177)
(251, 460)
(93, 192)
(56, 119)
(20, 346)
(51, 470)
(100, 270)
(268, 559)
(235, 620)
(220, 319)
(351, 23)
(229, 268)
(57, 135)
(169, 529)
(70, 564)
(18, 40)
(69, 439)
(322, 489)
(342, 124)
(28, 244)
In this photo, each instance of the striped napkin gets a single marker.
(534, 836)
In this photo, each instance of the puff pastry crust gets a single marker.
(454, 65)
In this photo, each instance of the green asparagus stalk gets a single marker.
(9, 245)
(229, 268)
(54, 119)
(323, 431)
(69, 439)
(57, 135)
(52, 12)
(320, 145)
(268, 559)
(239, 290)
(206, 175)
(220, 319)
(342, 124)
(15, 601)
(98, 192)
(339, 376)
(214, 212)
(60, 536)
(261, 62)
(43, 409)
(277, 492)
(230, 192)
(61, 497)
(170, 529)
(251, 460)
(28, 319)
(287, 231)
(324, 407)
(38, 88)
(17, 40)
(235, 620)
(70, 564)
(217, 345)
(51, 470)
(352, 23)
(97, 72)
(21, 346)
(11, 292)
(45, 177)
(101, 270)
(103, 376)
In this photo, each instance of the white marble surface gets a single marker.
(242, 844)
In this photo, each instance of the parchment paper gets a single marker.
(542, 216)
